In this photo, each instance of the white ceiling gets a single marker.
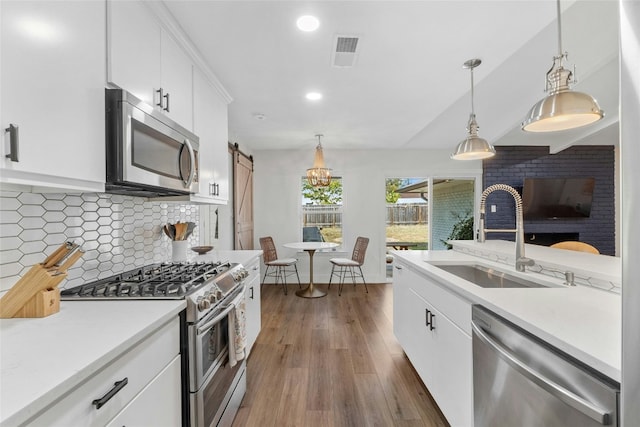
(408, 88)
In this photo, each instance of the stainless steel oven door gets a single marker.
(208, 345)
(217, 402)
(209, 341)
(156, 154)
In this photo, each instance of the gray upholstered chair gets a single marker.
(345, 267)
(280, 267)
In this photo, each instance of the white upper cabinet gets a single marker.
(177, 82)
(210, 124)
(144, 60)
(52, 95)
(134, 38)
(150, 58)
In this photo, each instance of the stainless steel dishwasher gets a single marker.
(519, 380)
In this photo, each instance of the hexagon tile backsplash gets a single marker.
(117, 232)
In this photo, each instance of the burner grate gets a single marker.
(163, 280)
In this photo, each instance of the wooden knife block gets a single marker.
(36, 294)
(42, 304)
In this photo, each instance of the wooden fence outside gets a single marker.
(331, 215)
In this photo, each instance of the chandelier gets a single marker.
(319, 175)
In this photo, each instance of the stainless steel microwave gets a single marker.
(148, 154)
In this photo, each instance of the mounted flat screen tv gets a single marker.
(554, 198)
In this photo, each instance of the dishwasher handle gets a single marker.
(587, 408)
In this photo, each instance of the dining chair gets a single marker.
(280, 267)
(346, 267)
(576, 246)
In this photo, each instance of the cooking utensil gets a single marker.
(181, 229)
(190, 227)
(170, 231)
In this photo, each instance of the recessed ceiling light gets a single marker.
(313, 96)
(308, 23)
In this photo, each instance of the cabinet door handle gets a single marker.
(429, 316)
(160, 97)
(251, 289)
(119, 385)
(14, 140)
(166, 108)
(398, 267)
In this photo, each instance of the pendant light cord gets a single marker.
(472, 109)
(560, 54)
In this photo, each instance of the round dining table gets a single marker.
(310, 248)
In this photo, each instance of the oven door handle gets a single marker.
(204, 328)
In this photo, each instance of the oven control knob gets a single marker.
(218, 294)
(203, 303)
(211, 296)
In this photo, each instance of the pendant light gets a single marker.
(562, 108)
(319, 175)
(473, 147)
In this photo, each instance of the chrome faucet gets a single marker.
(521, 260)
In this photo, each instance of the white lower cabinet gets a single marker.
(126, 386)
(252, 300)
(439, 349)
(158, 404)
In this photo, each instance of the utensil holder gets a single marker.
(179, 250)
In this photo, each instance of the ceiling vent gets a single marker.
(345, 51)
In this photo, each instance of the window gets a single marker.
(322, 212)
(407, 213)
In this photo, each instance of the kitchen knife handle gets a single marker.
(70, 260)
(58, 255)
(119, 385)
(14, 141)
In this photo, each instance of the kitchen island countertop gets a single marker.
(582, 321)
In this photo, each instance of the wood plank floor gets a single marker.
(332, 361)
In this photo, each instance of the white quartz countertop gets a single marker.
(584, 322)
(42, 359)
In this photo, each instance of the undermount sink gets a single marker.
(487, 277)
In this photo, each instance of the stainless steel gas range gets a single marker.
(212, 388)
